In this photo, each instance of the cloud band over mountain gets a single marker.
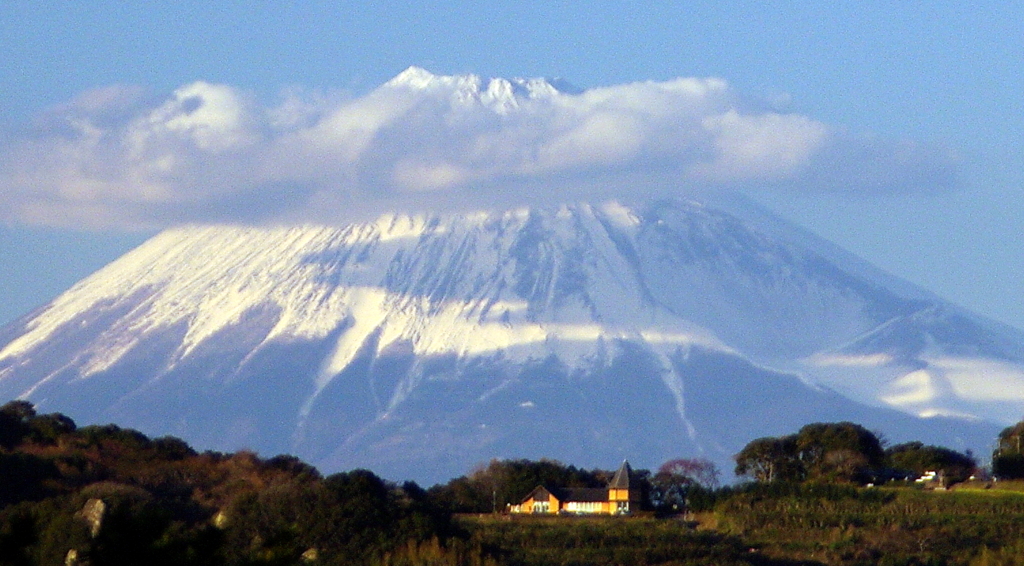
(114, 157)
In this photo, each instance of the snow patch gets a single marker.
(913, 388)
(848, 360)
(620, 215)
(983, 379)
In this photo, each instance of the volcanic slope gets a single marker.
(421, 345)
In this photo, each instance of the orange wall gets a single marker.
(623, 495)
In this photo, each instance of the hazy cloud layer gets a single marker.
(115, 158)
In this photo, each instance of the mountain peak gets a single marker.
(499, 94)
(413, 77)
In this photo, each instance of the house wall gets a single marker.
(550, 505)
(588, 507)
(623, 495)
(554, 505)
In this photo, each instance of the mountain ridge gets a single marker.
(443, 338)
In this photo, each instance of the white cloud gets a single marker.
(213, 117)
(766, 146)
(210, 152)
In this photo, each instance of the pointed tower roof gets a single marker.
(621, 478)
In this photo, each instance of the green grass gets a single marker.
(637, 541)
(1000, 487)
(877, 526)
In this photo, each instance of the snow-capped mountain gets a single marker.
(497, 94)
(420, 345)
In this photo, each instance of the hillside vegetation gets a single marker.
(106, 495)
(102, 495)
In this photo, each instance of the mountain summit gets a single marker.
(499, 94)
(420, 345)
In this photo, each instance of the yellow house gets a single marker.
(619, 498)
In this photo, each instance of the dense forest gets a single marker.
(831, 493)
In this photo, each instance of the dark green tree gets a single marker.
(819, 452)
(15, 417)
(919, 458)
(770, 459)
(841, 451)
(503, 482)
(1008, 457)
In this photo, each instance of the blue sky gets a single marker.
(931, 93)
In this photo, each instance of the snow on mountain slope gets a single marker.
(936, 361)
(420, 345)
(499, 94)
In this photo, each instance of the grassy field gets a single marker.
(847, 526)
(877, 526)
(639, 541)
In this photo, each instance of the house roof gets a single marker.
(584, 494)
(622, 476)
(538, 493)
(566, 494)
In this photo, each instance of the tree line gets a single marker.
(848, 452)
(101, 495)
(109, 495)
(500, 483)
